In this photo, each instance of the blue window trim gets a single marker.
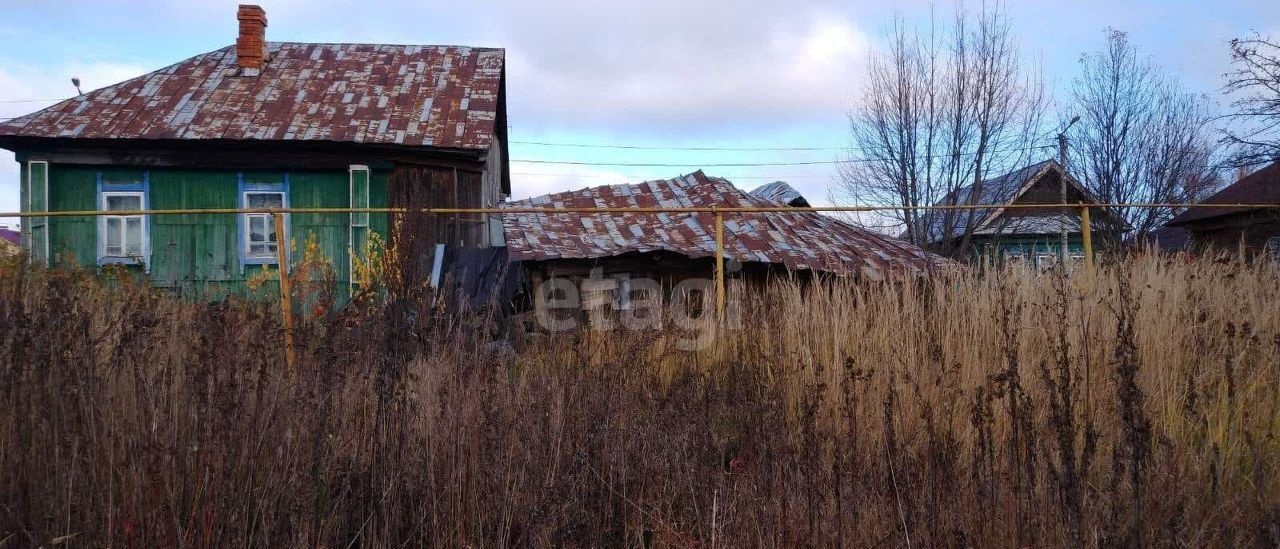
(143, 187)
(242, 187)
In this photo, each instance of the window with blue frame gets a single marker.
(124, 239)
(259, 243)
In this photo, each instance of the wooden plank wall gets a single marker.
(414, 236)
(196, 254)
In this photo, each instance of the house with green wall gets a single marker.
(1028, 236)
(267, 125)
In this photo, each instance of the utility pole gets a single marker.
(1062, 161)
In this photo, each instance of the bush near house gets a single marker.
(1132, 407)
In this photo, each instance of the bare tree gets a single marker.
(1141, 138)
(1254, 85)
(941, 111)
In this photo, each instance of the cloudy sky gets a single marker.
(684, 74)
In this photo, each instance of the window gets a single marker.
(123, 235)
(359, 194)
(1046, 261)
(1015, 258)
(36, 229)
(122, 238)
(260, 239)
(358, 231)
(1273, 244)
(257, 241)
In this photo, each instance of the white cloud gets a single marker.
(798, 66)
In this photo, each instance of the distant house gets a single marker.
(269, 125)
(1231, 228)
(9, 241)
(672, 247)
(1020, 235)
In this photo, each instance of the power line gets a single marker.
(664, 165)
(598, 176)
(660, 148)
(32, 100)
(745, 164)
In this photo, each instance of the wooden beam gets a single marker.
(286, 290)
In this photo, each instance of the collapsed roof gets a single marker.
(795, 240)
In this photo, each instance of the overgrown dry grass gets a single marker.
(1135, 407)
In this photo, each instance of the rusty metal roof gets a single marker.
(796, 240)
(438, 96)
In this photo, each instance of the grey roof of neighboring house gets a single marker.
(436, 96)
(781, 193)
(998, 192)
(799, 241)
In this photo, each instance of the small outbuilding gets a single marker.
(672, 247)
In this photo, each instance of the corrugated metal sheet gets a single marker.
(440, 96)
(782, 193)
(798, 241)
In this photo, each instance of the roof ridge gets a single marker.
(388, 44)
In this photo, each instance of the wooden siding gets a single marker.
(197, 254)
(1249, 231)
(415, 234)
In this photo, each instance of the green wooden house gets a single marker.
(1026, 236)
(267, 124)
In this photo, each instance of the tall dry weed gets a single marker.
(1138, 405)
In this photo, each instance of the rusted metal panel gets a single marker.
(781, 193)
(439, 96)
(797, 240)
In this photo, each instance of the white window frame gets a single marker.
(246, 248)
(41, 222)
(1046, 260)
(144, 247)
(358, 223)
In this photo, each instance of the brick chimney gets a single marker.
(251, 45)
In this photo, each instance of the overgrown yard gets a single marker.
(1138, 406)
